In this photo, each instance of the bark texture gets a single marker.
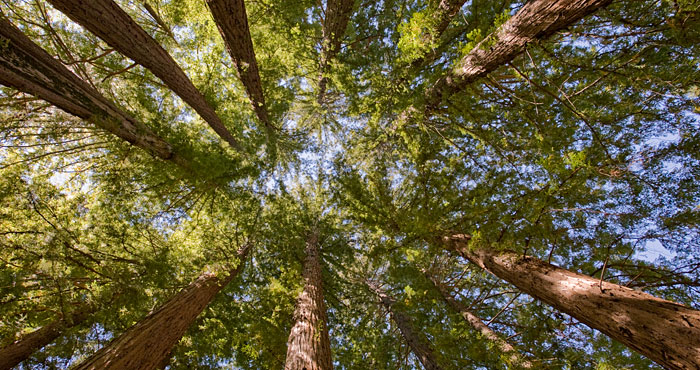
(308, 347)
(147, 345)
(477, 324)
(231, 19)
(25, 66)
(19, 350)
(109, 22)
(537, 19)
(666, 332)
(337, 16)
(418, 343)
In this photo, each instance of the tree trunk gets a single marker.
(231, 19)
(514, 358)
(537, 19)
(18, 351)
(337, 16)
(664, 331)
(148, 343)
(418, 343)
(109, 22)
(25, 66)
(308, 347)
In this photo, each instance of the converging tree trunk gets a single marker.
(109, 22)
(664, 331)
(513, 356)
(25, 66)
(335, 21)
(231, 18)
(148, 343)
(308, 347)
(418, 343)
(537, 19)
(19, 350)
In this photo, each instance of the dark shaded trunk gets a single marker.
(109, 22)
(14, 353)
(25, 66)
(308, 347)
(337, 16)
(513, 357)
(148, 343)
(418, 343)
(666, 332)
(537, 19)
(231, 19)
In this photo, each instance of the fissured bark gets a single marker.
(308, 346)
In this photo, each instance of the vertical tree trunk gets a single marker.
(148, 343)
(14, 353)
(308, 347)
(109, 22)
(231, 19)
(418, 343)
(25, 66)
(537, 19)
(664, 331)
(337, 16)
(514, 358)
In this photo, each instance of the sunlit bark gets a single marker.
(148, 344)
(537, 19)
(308, 347)
(418, 343)
(109, 22)
(664, 331)
(25, 66)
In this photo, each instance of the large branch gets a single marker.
(231, 19)
(664, 331)
(536, 20)
(109, 22)
(337, 16)
(25, 66)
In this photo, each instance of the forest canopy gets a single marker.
(350, 184)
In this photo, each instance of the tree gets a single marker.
(537, 158)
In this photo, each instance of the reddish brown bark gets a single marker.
(337, 16)
(537, 19)
(308, 347)
(25, 66)
(514, 358)
(231, 19)
(148, 344)
(664, 331)
(109, 22)
(14, 353)
(418, 343)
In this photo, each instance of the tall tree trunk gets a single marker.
(418, 343)
(444, 13)
(148, 343)
(537, 19)
(25, 66)
(337, 16)
(664, 331)
(309, 347)
(14, 353)
(109, 22)
(514, 357)
(231, 19)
